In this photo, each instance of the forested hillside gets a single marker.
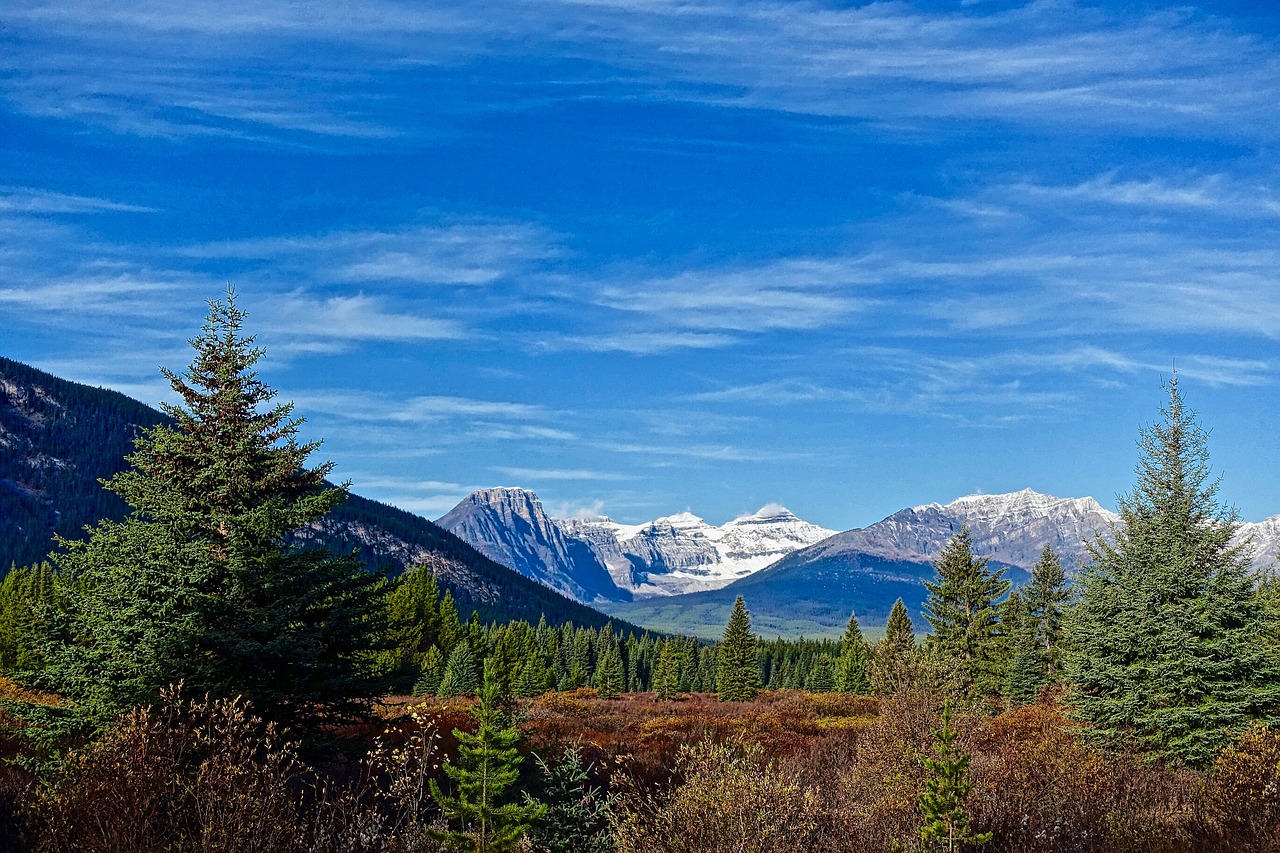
(59, 438)
(56, 439)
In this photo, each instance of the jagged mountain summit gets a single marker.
(509, 526)
(599, 559)
(1010, 529)
(684, 560)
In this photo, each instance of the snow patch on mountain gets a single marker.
(683, 553)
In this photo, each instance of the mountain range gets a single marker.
(597, 559)
(681, 574)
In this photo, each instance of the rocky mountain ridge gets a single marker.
(598, 559)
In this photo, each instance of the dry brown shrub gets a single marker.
(1037, 782)
(871, 806)
(562, 704)
(187, 775)
(1039, 786)
(387, 807)
(732, 800)
(842, 705)
(1244, 791)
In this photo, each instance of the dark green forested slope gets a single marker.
(57, 438)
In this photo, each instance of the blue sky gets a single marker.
(652, 256)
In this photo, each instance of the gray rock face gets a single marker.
(1011, 529)
(509, 526)
(598, 560)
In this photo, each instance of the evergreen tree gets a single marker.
(636, 652)
(534, 678)
(413, 622)
(946, 826)
(688, 658)
(1046, 599)
(1027, 671)
(460, 673)
(577, 816)
(738, 670)
(1024, 678)
(666, 676)
(963, 611)
(488, 764)
(451, 630)
(893, 664)
(1171, 642)
(432, 673)
(25, 593)
(853, 665)
(199, 584)
(822, 677)
(609, 683)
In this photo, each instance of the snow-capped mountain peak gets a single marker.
(669, 555)
(1010, 528)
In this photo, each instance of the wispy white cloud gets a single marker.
(1001, 387)
(118, 295)
(593, 511)
(373, 407)
(467, 253)
(802, 293)
(535, 474)
(36, 201)
(156, 71)
(1218, 193)
(710, 307)
(1220, 371)
(636, 343)
(667, 455)
(347, 318)
(777, 392)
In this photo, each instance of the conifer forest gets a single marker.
(185, 675)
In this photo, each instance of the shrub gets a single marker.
(1244, 791)
(731, 799)
(184, 775)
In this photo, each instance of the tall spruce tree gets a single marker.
(199, 584)
(893, 664)
(413, 624)
(1027, 671)
(1045, 600)
(738, 670)
(460, 675)
(963, 610)
(25, 594)
(1171, 644)
(853, 664)
(609, 674)
(666, 674)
